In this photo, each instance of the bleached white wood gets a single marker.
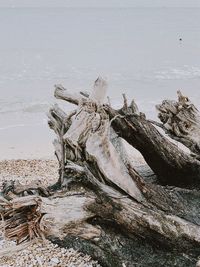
(99, 91)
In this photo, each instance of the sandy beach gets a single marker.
(40, 253)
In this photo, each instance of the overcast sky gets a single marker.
(99, 3)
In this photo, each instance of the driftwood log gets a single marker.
(101, 205)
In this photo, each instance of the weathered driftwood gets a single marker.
(101, 205)
(111, 226)
(171, 164)
(181, 121)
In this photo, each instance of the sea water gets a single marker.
(147, 53)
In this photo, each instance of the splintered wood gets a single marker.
(21, 218)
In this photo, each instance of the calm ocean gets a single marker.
(137, 49)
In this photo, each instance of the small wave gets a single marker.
(34, 107)
(12, 126)
(186, 72)
(22, 125)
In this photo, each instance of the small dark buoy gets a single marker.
(180, 39)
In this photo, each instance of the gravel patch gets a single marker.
(25, 171)
(45, 254)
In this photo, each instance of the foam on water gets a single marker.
(20, 106)
(186, 72)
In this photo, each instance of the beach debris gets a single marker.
(100, 204)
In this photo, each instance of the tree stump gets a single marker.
(101, 205)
